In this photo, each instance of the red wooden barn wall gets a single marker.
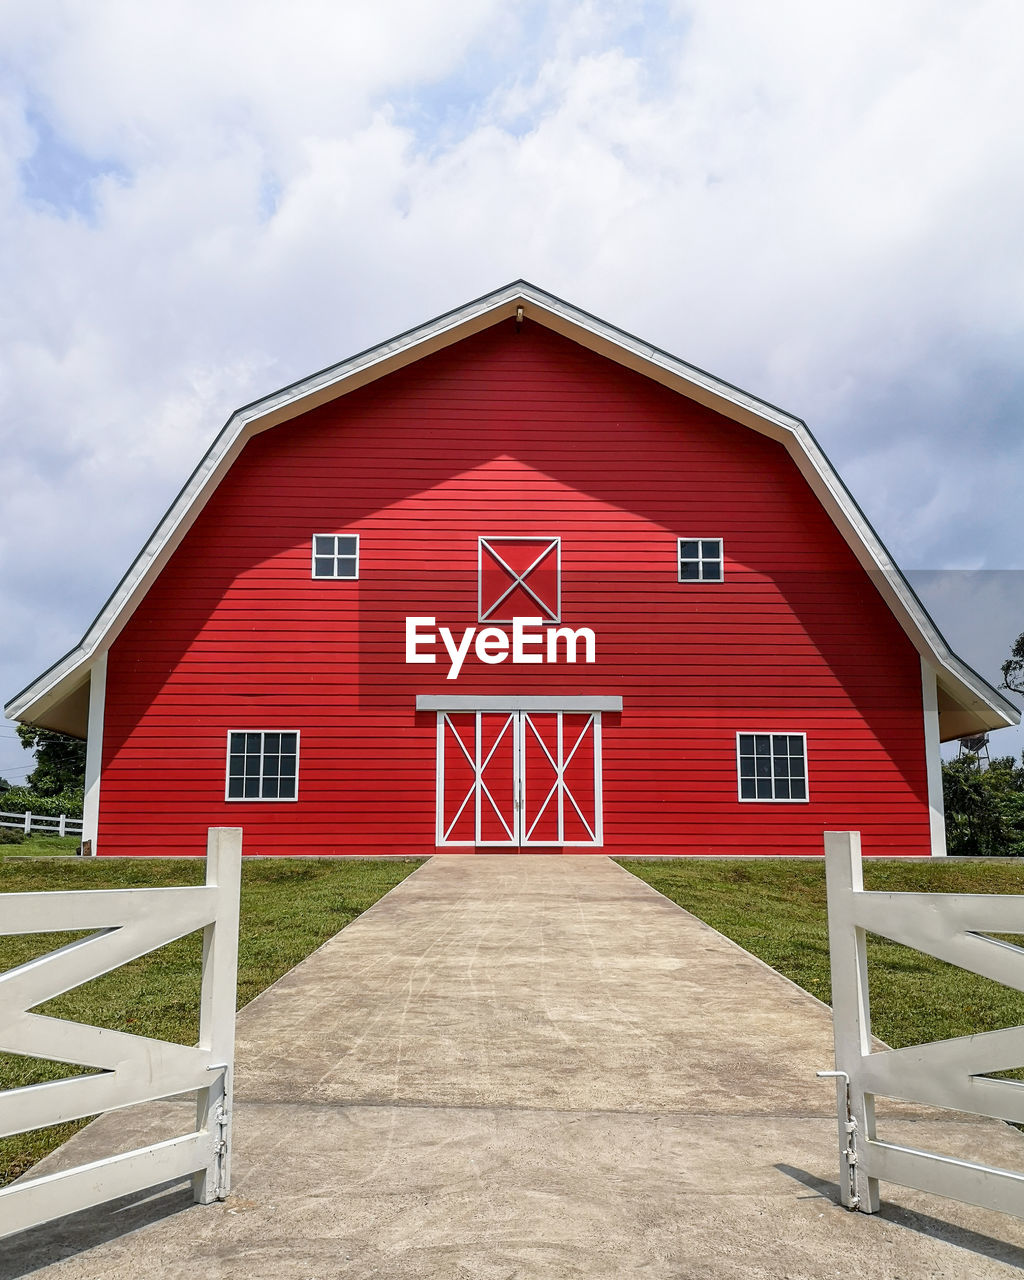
(510, 433)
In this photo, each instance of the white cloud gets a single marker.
(145, 82)
(200, 202)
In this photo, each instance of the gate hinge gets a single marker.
(849, 1152)
(221, 1120)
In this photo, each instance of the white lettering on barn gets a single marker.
(531, 641)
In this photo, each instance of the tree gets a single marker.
(60, 760)
(984, 807)
(4, 786)
(1013, 667)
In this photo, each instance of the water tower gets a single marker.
(975, 744)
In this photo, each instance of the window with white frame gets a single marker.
(335, 555)
(772, 766)
(262, 765)
(700, 560)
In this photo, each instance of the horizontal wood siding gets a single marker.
(513, 435)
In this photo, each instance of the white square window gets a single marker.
(262, 765)
(335, 555)
(772, 766)
(701, 560)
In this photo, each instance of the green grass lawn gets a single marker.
(13, 844)
(776, 910)
(289, 907)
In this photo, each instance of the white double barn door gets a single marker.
(519, 778)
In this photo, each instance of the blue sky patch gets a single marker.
(58, 176)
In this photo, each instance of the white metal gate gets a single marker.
(946, 1073)
(126, 924)
(519, 778)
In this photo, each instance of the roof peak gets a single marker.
(61, 681)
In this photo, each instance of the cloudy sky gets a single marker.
(200, 202)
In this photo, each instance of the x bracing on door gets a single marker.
(519, 778)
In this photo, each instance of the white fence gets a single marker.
(946, 1073)
(132, 1069)
(29, 822)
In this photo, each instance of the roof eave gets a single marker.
(625, 349)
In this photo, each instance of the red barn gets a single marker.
(513, 580)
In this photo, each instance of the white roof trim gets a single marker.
(71, 671)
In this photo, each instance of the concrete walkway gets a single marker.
(531, 1067)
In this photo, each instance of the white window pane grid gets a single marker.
(262, 765)
(772, 766)
(336, 555)
(701, 560)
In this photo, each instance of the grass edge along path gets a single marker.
(775, 909)
(289, 908)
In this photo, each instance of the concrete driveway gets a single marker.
(518, 1067)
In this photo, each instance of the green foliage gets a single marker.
(25, 800)
(1013, 667)
(984, 807)
(4, 786)
(60, 760)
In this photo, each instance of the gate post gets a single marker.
(851, 1016)
(217, 1011)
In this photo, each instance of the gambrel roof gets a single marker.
(58, 699)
